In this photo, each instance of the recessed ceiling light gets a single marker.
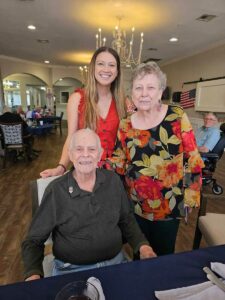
(46, 61)
(206, 18)
(173, 39)
(31, 27)
(152, 49)
(42, 41)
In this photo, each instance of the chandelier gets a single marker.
(120, 44)
(84, 73)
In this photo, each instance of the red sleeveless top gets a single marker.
(106, 128)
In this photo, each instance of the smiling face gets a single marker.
(85, 152)
(210, 120)
(105, 68)
(146, 92)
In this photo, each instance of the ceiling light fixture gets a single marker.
(46, 61)
(173, 39)
(42, 41)
(119, 43)
(84, 73)
(31, 27)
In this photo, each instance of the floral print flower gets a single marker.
(171, 171)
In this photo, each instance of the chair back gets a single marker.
(37, 191)
(61, 115)
(219, 148)
(12, 133)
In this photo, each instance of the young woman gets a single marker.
(99, 106)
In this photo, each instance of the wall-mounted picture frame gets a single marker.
(210, 96)
(64, 96)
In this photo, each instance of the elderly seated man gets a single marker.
(87, 212)
(208, 135)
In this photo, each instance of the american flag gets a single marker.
(187, 98)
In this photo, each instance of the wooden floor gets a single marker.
(15, 205)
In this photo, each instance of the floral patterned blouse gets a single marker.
(154, 162)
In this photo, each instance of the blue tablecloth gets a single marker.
(40, 130)
(46, 119)
(134, 281)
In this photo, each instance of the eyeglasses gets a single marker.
(209, 119)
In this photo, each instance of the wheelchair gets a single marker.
(210, 160)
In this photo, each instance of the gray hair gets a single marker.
(88, 131)
(150, 67)
(211, 113)
(6, 109)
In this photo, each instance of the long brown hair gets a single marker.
(91, 94)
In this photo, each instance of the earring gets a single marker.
(159, 105)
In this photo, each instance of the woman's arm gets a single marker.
(118, 159)
(72, 121)
(193, 166)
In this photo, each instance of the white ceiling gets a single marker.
(71, 25)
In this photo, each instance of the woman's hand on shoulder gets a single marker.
(52, 172)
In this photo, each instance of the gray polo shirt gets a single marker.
(86, 227)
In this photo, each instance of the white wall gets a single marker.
(49, 74)
(208, 64)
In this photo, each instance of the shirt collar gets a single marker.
(74, 188)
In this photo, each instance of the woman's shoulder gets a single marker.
(175, 109)
(124, 122)
(76, 98)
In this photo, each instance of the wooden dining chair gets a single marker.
(210, 226)
(12, 134)
(58, 122)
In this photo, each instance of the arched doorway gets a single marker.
(22, 89)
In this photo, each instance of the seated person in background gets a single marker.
(21, 113)
(208, 135)
(10, 117)
(87, 212)
(29, 113)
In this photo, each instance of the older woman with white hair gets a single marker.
(154, 146)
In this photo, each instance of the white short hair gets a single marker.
(85, 130)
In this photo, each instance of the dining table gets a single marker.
(40, 129)
(48, 119)
(136, 280)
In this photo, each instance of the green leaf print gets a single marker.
(132, 152)
(130, 144)
(174, 140)
(146, 160)
(154, 203)
(163, 135)
(171, 117)
(176, 190)
(169, 194)
(139, 163)
(172, 203)
(164, 154)
(148, 172)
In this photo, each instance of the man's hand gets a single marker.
(33, 277)
(203, 149)
(146, 252)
